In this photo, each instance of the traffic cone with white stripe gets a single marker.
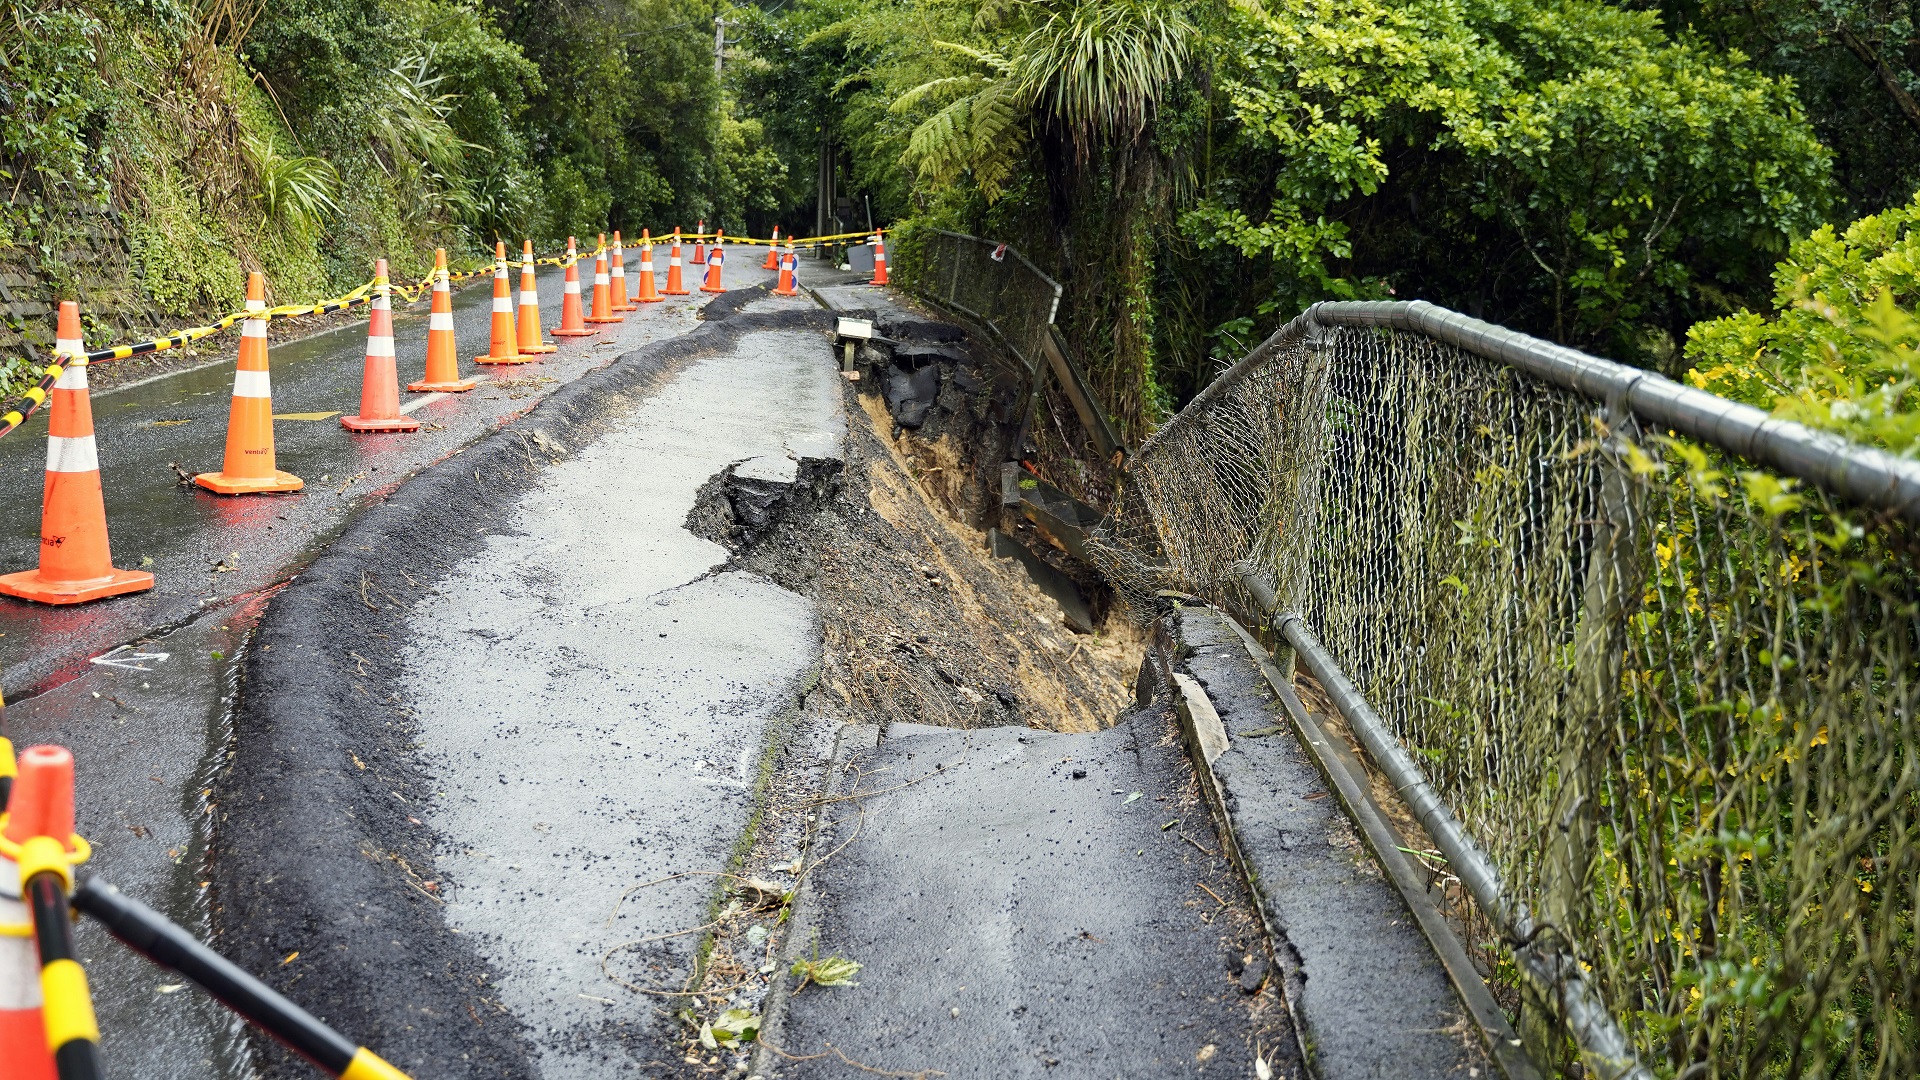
(714, 262)
(23, 1033)
(443, 356)
(571, 322)
(773, 252)
(75, 563)
(699, 249)
(503, 346)
(879, 259)
(675, 286)
(617, 277)
(648, 294)
(789, 268)
(602, 289)
(530, 343)
(248, 467)
(379, 381)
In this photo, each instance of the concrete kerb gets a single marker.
(850, 741)
(322, 852)
(1241, 795)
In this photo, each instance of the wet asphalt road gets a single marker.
(615, 698)
(1032, 904)
(148, 730)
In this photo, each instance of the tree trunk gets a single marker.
(1909, 108)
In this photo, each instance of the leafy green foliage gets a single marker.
(1838, 350)
(732, 1028)
(297, 192)
(1563, 166)
(54, 100)
(1854, 64)
(827, 971)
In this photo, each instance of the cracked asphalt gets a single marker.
(150, 735)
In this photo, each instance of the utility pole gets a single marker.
(719, 44)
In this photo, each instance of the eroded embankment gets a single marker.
(921, 623)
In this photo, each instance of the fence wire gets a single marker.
(1670, 694)
(995, 285)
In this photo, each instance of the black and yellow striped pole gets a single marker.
(39, 838)
(72, 1032)
(153, 936)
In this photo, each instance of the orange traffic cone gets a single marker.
(248, 467)
(879, 259)
(714, 263)
(617, 278)
(75, 564)
(773, 252)
(530, 343)
(571, 322)
(379, 382)
(699, 249)
(675, 286)
(602, 296)
(443, 356)
(648, 294)
(23, 1034)
(41, 806)
(789, 267)
(503, 343)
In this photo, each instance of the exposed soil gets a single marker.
(921, 624)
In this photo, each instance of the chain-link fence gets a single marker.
(1061, 428)
(1653, 652)
(994, 285)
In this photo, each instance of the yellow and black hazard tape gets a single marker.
(36, 396)
(796, 241)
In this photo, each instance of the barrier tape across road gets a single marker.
(36, 396)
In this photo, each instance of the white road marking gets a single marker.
(119, 657)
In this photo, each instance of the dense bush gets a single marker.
(1837, 350)
(306, 138)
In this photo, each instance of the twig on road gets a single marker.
(916, 1074)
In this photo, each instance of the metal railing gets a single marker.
(995, 286)
(1643, 662)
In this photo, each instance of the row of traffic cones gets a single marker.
(76, 564)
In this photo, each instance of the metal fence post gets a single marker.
(1615, 577)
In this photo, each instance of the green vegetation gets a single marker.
(307, 138)
(1838, 351)
(1194, 173)
(1197, 173)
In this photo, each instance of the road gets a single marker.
(150, 734)
(485, 749)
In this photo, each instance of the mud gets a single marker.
(922, 625)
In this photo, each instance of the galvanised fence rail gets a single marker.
(1643, 662)
(996, 286)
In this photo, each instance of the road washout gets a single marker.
(543, 766)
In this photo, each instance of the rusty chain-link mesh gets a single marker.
(1670, 695)
(1007, 293)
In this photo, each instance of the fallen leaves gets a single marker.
(733, 1028)
(828, 971)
